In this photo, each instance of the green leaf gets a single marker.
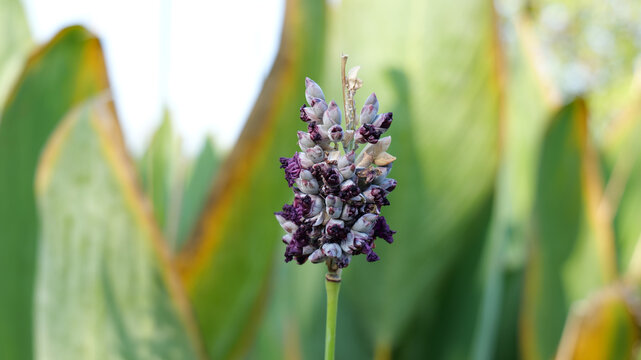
(443, 329)
(569, 257)
(15, 44)
(227, 264)
(66, 71)
(620, 153)
(438, 71)
(104, 287)
(162, 174)
(197, 187)
(528, 107)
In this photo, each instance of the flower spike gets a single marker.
(339, 190)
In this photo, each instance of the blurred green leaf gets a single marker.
(438, 71)
(567, 255)
(198, 184)
(443, 327)
(104, 287)
(15, 44)
(528, 102)
(65, 72)
(227, 265)
(621, 148)
(162, 175)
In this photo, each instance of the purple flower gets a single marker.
(348, 190)
(383, 121)
(382, 230)
(292, 168)
(291, 213)
(338, 193)
(303, 114)
(376, 194)
(368, 133)
(332, 177)
(314, 131)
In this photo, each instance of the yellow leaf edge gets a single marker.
(105, 122)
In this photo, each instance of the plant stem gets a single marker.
(344, 88)
(332, 285)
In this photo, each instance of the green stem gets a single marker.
(333, 285)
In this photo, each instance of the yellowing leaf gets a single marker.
(226, 266)
(602, 327)
(571, 253)
(104, 287)
(61, 74)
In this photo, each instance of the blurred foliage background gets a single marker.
(518, 209)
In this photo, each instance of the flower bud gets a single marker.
(367, 175)
(383, 121)
(306, 183)
(367, 133)
(371, 208)
(318, 107)
(334, 206)
(305, 140)
(388, 184)
(335, 133)
(305, 162)
(350, 212)
(348, 171)
(346, 160)
(317, 220)
(287, 225)
(333, 115)
(365, 223)
(384, 171)
(368, 114)
(315, 132)
(348, 190)
(357, 201)
(315, 154)
(312, 90)
(305, 113)
(287, 238)
(335, 229)
(376, 195)
(360, 240)
(343, 261)
(372, 100)
(308, 249)
(316, 206)
(332, 178)
(332, 250)
(347, 245)
(317, 256)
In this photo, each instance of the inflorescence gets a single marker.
(338, 194)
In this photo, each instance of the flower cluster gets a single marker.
(338, 194)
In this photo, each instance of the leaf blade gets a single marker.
(224, 267)
(62, 73)
(103, 272)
